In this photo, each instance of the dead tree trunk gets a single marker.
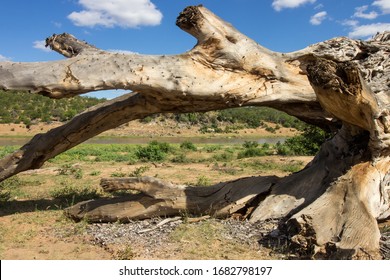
(331, 206)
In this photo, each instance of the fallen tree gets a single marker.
(331, 207)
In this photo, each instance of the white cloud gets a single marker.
(360, 13)
(367, 31)
(318, 18)
(122, 51)
(123, 13)
(3, 58)
(350, 22)
(41, 45)
(283, 4)
(384, 5)
(57, 24)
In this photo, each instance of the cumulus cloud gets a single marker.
(41, 45)
(123, 13)
(384, 5)
(368, 30)
(360, 12)
(318, 18)
(284, 4)
(3, 58)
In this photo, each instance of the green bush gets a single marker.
(250, 144)
(187, 145)
(308, 143)
(252, 149)
(147, 119)
(212, 148)
(139, 171)
(251, 152)
(213, 128)
(73, 170)
(203, 181)
(283, 150)
(154, 151)
(225, 156)
(180, 158)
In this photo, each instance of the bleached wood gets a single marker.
(160, 198)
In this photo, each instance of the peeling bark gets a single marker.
(330, 207)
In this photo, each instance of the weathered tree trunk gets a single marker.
(161, 198)
(331, 206)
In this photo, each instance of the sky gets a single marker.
(148, 26)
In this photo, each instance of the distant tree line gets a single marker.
(22, 107)
(235, 119)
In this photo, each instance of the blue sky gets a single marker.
(148, 26)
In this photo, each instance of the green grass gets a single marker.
(99, 153)
(69, 194)
(5, 150)
(260, 165)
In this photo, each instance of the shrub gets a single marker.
(250, 144)
(187, 145)
(154, 151)
(212, 148)
(203, 181)
(213, 128)
(225, 156)
(74, 170)
(180, 158)
(283, 149)
(147, 119)
(251, 152)
(139, 171)
(308, 143)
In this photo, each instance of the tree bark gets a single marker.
(330, 207)
(161, 198)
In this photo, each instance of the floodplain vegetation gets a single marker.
(33, 224)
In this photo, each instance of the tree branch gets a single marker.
(68, 45)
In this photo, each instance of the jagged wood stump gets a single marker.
(331, 207)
